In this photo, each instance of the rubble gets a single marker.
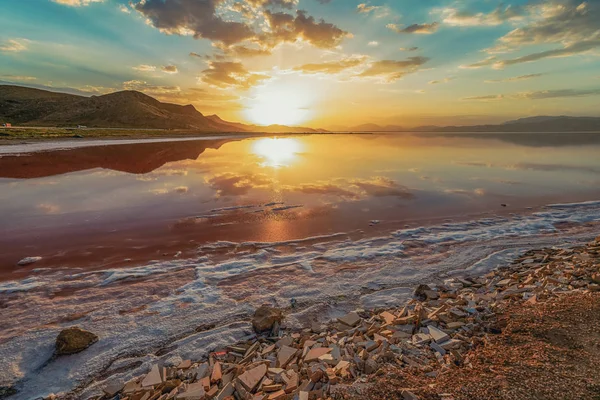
(430, 335)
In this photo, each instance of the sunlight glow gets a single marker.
(277, 152)
(280, 103)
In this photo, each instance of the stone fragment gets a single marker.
(73, 340)
(153, 377)
(252, 377)
(194, 391)
(438, 335)
(350, 319)
(285, 355)
(265, 317)
(314, 354)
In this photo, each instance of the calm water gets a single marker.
(100, 205)
(144, 243)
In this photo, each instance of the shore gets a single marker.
(525, 330)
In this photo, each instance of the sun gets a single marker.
(277, 152)
(281, 104)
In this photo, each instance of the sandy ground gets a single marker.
(545, 351)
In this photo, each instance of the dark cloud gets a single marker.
(170, 69)
(230, 74)
(425, 29)
(391, 70)
(196, 16)
(201, 18)
(288, 28)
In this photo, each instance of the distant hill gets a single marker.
(126, 109)
(529, 125)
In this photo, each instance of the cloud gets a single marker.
(230, 74)
(47, 208)
(19, 78)
(445, 80)
(567, 51)
(365, 8)
(391, 70)
(424, 29)
(408, 48)
(196, 17)
(287, 28)
(245, 51)
(501, 15)
(483, 63)
(515, 78)
(331, 67)
(230, 184)
(123, 8)
(492, 97)
(14, 45)
(539, 95)
(147, 88)
(204, 19)
(553, 94)
(373, 43)
(77, 3)
(144, 68)
(572, 24)
(170, 69)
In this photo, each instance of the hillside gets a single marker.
(25, 106)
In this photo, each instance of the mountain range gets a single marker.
(529, 124)
(24, 106)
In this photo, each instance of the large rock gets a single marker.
(73, 340)
(265, 317)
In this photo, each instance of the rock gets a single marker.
(28, 261)
(350, 319)
(73, 340)
(419, 292)
(407, 395)
(265, 317)
(371, 366)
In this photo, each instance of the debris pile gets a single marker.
(430, 335)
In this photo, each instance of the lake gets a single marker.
(171, 244)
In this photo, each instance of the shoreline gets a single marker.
(207, 337)
(431, 335)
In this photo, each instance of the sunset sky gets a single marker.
(317, 63)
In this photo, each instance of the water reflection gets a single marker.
(277, 152)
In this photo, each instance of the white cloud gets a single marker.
(77, 3)
(14, 45)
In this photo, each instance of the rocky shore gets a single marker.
(425, 349)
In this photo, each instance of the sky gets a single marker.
(318, 63)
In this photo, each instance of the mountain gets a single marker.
(126, 109)
(544, 124)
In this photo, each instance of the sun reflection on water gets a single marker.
(277, 152)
